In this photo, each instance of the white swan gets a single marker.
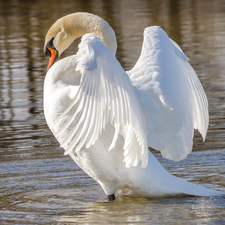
(106, 118)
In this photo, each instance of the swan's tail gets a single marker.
(155, 181)
(183, 187)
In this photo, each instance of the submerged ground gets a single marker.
(40, 185)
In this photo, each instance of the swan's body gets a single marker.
(106, 119)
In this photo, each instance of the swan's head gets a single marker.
(58, 38)
(66, 29)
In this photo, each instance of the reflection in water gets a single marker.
(37, 183)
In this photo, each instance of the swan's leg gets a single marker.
(111, 197)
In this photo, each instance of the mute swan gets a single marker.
(106, 118)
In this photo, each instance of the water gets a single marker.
(40, 185)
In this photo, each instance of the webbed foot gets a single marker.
(111, 197)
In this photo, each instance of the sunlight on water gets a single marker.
(40, 185)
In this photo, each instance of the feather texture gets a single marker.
(105, 95)
(171, 95)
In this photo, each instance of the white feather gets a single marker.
(105, 92)
(167, 82)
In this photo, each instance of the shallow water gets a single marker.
(40, 185)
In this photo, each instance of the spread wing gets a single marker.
(171, 95)
(105, 96)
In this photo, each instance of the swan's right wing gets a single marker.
(105, 96)
(171, 95)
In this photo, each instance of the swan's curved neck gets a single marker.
(78, 24)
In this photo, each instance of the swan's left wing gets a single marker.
(105, 96)
(171, 95)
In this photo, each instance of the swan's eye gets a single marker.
(47, 52)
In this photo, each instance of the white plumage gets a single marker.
(174, 101)
(106, 118)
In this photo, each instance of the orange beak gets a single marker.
(53, 56)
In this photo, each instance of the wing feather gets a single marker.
(105, 96)
(171, 95)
